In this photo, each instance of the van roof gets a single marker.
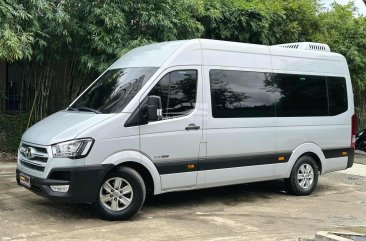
(224, 53)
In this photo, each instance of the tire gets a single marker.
(121, 194)
(302, 187)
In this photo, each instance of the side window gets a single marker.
(236, 94)
(337, 90)
(299, 95)
(177, 91)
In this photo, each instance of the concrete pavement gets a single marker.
(261, 211)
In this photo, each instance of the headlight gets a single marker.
(73, 149)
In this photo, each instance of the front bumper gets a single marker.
(84, 183)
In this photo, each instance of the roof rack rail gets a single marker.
(306, 46)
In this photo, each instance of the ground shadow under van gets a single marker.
(227, 196)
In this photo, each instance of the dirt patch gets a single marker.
(8, 157)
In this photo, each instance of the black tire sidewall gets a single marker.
(139, 194)
(294, 184)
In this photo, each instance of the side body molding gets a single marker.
(284, 170)
(135, 156)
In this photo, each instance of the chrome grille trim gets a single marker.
(32, 166)
(33, 156)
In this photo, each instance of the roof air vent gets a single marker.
(306, 46)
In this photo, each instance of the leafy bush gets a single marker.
(11, 130)
(60, 46)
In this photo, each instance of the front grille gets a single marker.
(32, 166)
(33, 156)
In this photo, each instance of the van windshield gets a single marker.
(113, 90)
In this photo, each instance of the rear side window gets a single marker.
(337, 91)
(241, 94)
(300, 95)
(236, 94)
(177, 91)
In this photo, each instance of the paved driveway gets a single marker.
(261, 211)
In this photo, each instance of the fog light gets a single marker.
(60, 188)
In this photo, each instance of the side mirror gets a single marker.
(153, 108)
(150, 110)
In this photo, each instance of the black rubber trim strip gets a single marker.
(334, 153)
(241, 161)
(220, 162)
(178, 166)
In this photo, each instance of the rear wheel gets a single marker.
(304, 176)
(121, 194)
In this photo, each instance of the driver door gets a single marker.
(172, 142)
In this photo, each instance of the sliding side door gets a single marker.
(240, 126)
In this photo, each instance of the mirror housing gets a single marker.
(150, 109)
(153, 108)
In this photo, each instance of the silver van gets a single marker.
(193, 114)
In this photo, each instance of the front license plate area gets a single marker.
(24, 180)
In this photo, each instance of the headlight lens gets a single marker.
(73, 149)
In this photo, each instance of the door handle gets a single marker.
(192, 127)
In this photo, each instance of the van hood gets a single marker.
(62, 126)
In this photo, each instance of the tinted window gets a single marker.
(177, 91)
(241, 94)
(337, 90)
(299, 95)
(113, 90)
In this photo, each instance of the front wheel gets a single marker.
(121, 194)
(304, 176)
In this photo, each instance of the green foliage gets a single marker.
(163, 20)
(292, 21)
(15, 42)
(94, 33)
(262, 22)
(12, 128)
(346, 35)
(19, 30)
(60, 46)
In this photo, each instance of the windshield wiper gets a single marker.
(71, 108)
(83, 108)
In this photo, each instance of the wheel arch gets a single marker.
(308, 148)
(316, 159)
(144, 173)
(140, 163)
